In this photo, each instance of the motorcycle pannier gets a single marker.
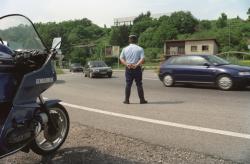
(7, 80)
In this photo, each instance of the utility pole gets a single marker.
(229, 35)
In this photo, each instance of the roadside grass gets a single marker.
(245, 63)
(59, 71)
(237, 61)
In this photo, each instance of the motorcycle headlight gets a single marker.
(244, 73)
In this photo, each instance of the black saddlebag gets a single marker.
(7, 80)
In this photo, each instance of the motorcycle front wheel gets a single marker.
(53, 134)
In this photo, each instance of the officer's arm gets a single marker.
(123, 61)
(142, 60)
(122, 58)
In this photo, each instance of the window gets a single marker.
(183, 60)
(98, 64)
(181, 50)
(173, 50)
(188, 60)
(216, 60)
(193, 48)
(197, 60)
(205, 48)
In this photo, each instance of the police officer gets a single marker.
(132, 57)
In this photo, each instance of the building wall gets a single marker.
(216, 48)
(173, 48)
(212, 47)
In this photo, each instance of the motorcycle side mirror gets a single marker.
(56, 44)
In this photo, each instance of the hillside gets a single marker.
(231, 34)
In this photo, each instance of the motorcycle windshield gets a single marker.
(19, 33)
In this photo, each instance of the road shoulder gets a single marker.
(90, 145)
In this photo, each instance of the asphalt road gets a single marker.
(200, 119)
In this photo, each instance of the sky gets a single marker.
(103, 12)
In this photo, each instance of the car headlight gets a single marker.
(244, 73)
(95, 70)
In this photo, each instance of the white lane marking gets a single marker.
(150, 79)
(166, 123)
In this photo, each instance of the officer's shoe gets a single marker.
(126, 102)
(143, 101)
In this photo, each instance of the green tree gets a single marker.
(142, 26)
(165, 19)
(245, 29)
(146, 38)
(184, 22)
(222, 21)
(142, 23)
(205, 25)
(79, 55)
(142, 17)
(164, 32)
(81, 31)
(152, 53)
(248, 13)
(119, 36)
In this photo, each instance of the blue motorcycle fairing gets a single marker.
(28, 114)
(7, 80)
(7, 87)
(32, 86)
(5, 52)
(22, 117)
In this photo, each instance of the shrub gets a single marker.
(111, 61)
(152, 53)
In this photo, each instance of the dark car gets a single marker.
(97, 68)
(204, 69)
(76, 67)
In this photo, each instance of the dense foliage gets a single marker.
(231, 34)
(78, 33)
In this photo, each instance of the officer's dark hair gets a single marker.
(132, 38)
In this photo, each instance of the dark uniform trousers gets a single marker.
(131, 75)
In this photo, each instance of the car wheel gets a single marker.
(168, 80)
(109, 75)
(224, 82)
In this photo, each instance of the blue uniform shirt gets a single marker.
(132, 54)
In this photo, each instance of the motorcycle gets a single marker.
(27, 120)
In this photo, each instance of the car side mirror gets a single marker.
(206, 64)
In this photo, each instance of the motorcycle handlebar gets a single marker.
(33, 59)
(22, 56)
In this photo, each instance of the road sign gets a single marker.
(115, 50)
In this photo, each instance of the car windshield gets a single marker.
(18, 33)
(98, 64)
(216, 60)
